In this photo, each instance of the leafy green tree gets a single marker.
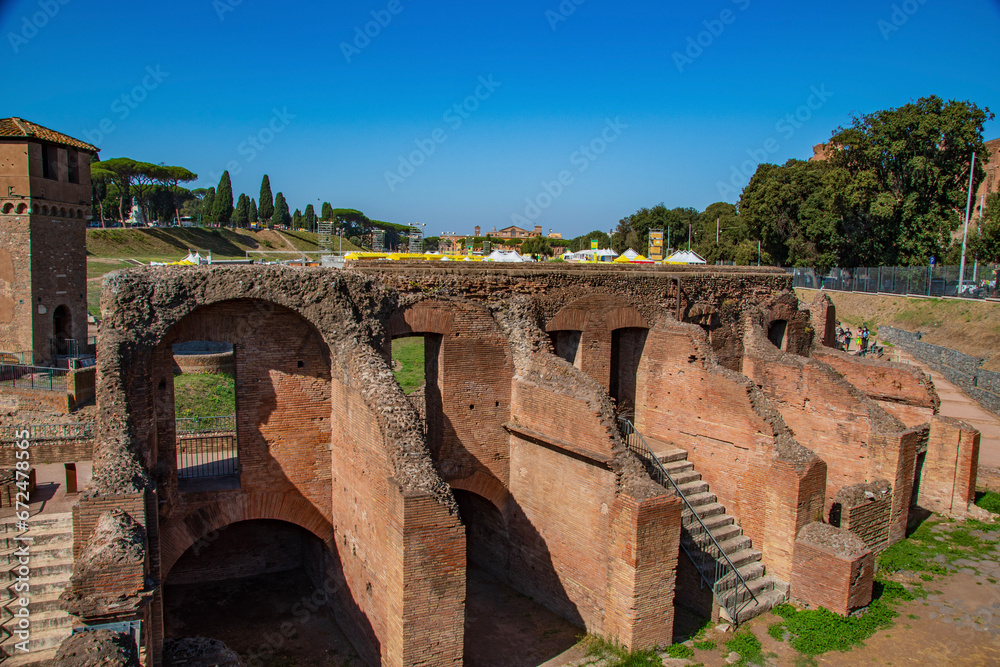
(354, 222)
(223, 207)
(208, 206)
(432, 243)
(309, 218)
(792, 209)
(100, 181)
(265, 209)
(252, 212)
(326, 212)
(297, 220)
(538, 245)
(241, 216)
(985, 241)
(583, 242)
(171, 177)
(281, 216)
(902, 179)
(120, 172)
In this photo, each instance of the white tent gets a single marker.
(605, 255)
(630, 254)
(684, 257)
(499, 256)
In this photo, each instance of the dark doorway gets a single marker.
(567, 345)
(776, 333)
(62, 329)
(626, 351)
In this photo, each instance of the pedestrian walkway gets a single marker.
(955, 403)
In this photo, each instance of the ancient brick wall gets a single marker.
(51, 451)
(833, 569)
(220, 362)
(866, 511)
(15, 283)
(58, 278)
(948, 476)
(901, 389)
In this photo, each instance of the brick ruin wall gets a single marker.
(526, 439)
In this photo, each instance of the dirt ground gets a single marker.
(262, 619)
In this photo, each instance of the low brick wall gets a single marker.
(833, 569)
(866, 511)
(51, 451)
(960, 369)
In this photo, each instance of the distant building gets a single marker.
(45, 199)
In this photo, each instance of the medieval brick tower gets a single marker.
(45, 201)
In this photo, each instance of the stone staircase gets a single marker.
(768, 591)
(51, 554)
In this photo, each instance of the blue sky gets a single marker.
(570, 114)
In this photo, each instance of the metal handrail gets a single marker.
(32, 377)
(725, 571)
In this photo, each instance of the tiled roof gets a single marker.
(18, 128)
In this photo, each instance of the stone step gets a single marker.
(713, 514)
(734, 544)
(693, 488)
(40, 538)
(750, 572)
(41, 640)
(744, 557)
(698, 499)
(677, 467)
(757, 586)
(37, 656)
(63, 520)
(725, 531)
(685, 477)
(38, 602)
(48, 568)
(53, 583)
(45, 554)
(764, 603)
(666, 453)
(43, 620)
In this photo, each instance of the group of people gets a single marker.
(845, 335)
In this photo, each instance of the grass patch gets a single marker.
(204, 395)
(707, 645)
(748, 646)
(937, 540)
(408, 353)
(615, 655)
(777, 631)
(989, 501)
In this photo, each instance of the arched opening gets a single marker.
(567, 346)
(502, 626)
(776, 333)
(8, 208)
(62, 329)
(205, 415)
(626, 351)
(263, 587)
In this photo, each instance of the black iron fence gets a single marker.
(39, 433)
(72, 348)
(33, 377)
(204, 456)
(979, 281)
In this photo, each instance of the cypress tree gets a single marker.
(281, 216)
(223, 207)
(265, 209)
(309, 217)
(207, 206)
(297, 219)
(242, 213)
(326, 213)
(252, 213)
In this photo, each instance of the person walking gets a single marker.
(847, 340)
(864, 338)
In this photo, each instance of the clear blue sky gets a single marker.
(343, 121)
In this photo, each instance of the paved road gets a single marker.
(955, 403)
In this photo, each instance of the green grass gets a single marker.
(96, 268)
(777, 631)
(614, 655)
(918, 552)
(748, 646)
(706, 645)
(204, 395)
(989, 501)
(409, 353)
(679, 651)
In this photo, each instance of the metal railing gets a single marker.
(979, 281)
(709, 558)
(199, 457)
(72, 348)
(33, 377)
(216, 424)
(38, 433)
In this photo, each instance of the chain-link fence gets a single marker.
(980, 280)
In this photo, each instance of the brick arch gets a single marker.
(8, 208)
(427, 316)
(600, 310)
(182, 533)
(486, 486)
